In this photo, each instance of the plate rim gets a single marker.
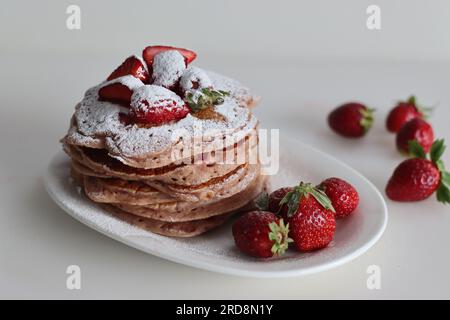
(212, 267)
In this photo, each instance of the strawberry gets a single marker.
(116, 93)
(168, 66)
(351, 119)
(261, 234)
(418, 178)
(155, 105)
(415, 129)
(119, 90)
(131, 66)
(342, 194)
(124, 118)
(275, 198)
(194, 78)
(311, 218)
(151, 51)
(403, 112)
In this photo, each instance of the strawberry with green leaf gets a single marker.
(418, 178)
(403, 112)
(415, 129)
(310, 215)
(343, 196)
(261, 234)
(351, 120)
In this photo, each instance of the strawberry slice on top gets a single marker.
(155, 105)
(131, 66)
(167, 69)
(119, 90)
(151, 51)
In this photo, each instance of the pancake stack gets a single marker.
(178, 179)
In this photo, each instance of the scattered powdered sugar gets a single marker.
(168, 66)
(194, 78)
(152, 96)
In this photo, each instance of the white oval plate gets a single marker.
(215, 251)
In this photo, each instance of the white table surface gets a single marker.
(38, 240)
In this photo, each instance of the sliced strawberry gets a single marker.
(116, 93)
(162, 113)
(131, 66)
(149, 53)
(167, 68)
(194, 78)
(155, 105)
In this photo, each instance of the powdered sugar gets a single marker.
(152, 96)
(236, 89)
(100, 120)
(168, 66)
(194, 78)
(144, 65)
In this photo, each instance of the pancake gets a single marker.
(121, 191)
(98, 124)
(173, 210)
(178, 179)
(171, 229)
(97, 162)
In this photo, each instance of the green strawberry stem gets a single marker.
(262, 201)
(412, 100)
(204, 98)
(367, 118)
(279, 234)
(416, 150)
(436, 152)
(425, 111)
(292, 198)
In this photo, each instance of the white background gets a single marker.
(302, 57)
(411, 29)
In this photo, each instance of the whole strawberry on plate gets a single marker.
(275, 198)
(403, 112)
(261, 234)
(310, 216)
(351, 120)
(416, 129)
(418, 178)
(342, 194)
